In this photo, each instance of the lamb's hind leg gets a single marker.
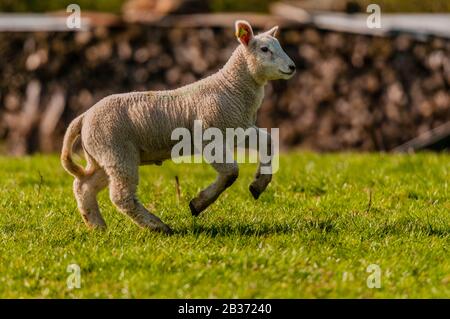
(227, 174)
(86, 190)
(123, 183)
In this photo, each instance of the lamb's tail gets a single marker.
(72, 133)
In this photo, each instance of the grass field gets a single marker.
(313, 233)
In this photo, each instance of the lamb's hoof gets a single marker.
(194, 210)
(254, 191)
(164, 229)
(168, 231)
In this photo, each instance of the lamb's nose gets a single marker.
(292, 67)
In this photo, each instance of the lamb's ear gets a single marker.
(273, 32)
(244, 32)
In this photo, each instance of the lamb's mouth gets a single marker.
(286, 73)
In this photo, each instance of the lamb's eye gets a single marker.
(265, 49)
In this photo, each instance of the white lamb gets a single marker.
(123, 131)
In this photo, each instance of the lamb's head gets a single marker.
(265, 57)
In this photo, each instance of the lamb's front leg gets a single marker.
(227, 174)
(263, 174)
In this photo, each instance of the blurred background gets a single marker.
(356, 88)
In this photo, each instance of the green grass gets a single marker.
(312, 234)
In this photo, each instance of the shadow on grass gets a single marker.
(408, 227)
(259, 229)
(237, 229)
(323, 227)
